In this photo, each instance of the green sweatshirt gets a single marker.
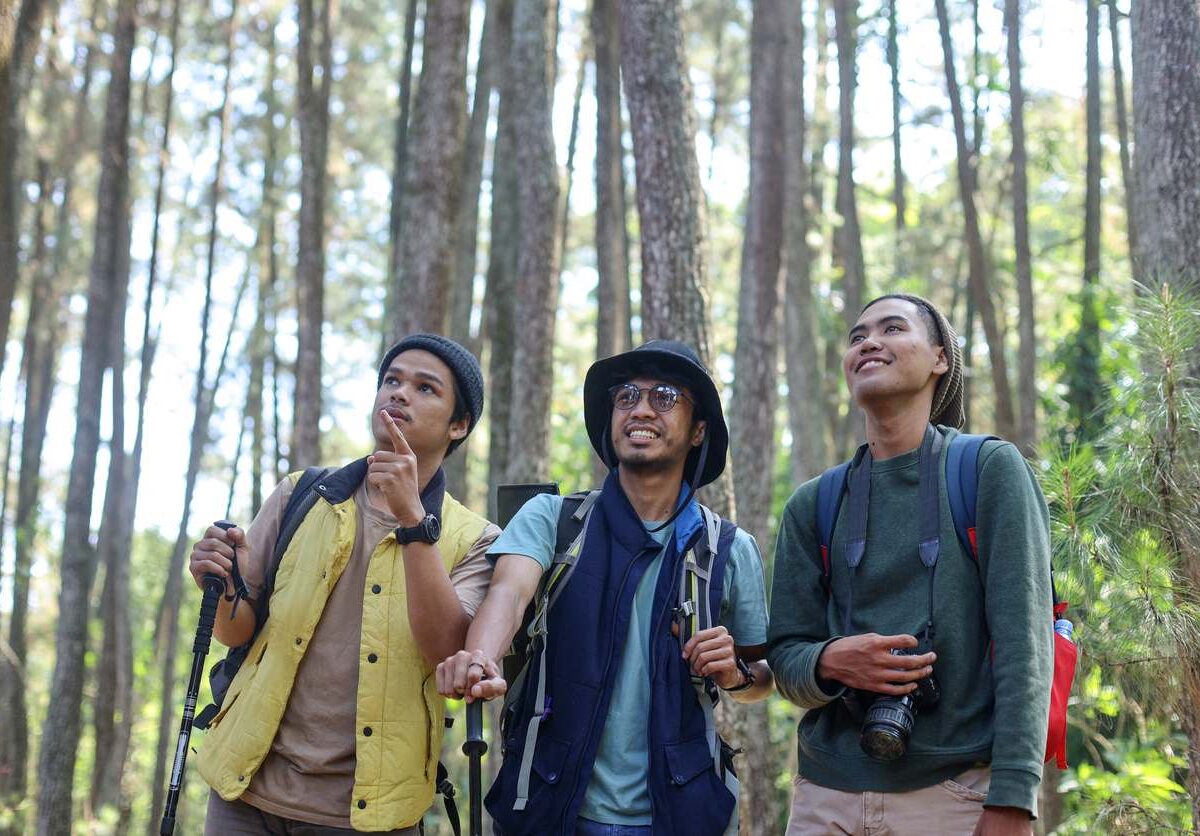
(995, 702)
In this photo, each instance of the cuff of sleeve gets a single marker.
(1014, 788)
(818, 691)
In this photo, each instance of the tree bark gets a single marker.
(810, 451)
(976, 258)
(499, 300)
(312, 95)
(432, 182)
(399, 170)
(898, 200)
(462, 289)
(755, 388)
(18, 42)
(1114, 19)
(529, 85)
(1027, 351)
(1166, 132)
(60, 738)
(1085, 390)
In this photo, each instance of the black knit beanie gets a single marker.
(947, 407)
(468, 378)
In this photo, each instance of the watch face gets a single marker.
(433, 528)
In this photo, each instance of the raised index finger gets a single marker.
(399, 442)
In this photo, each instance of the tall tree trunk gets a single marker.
(717, 100)
(431, 189)
(612, 235)
(898, 200)
(60, 738)
(752, 418)
(462, 289)
(167, 627)
(18, 42)
(669, 197)
(314, 56)
(1027, 352)
(572, 142)
(267, 269)
(810, 452)
(1114, 29)
(499, 300)
(399, 170)
(1166, 132)
(530, 87)
(847, 237)
(981, 293)
(1085, 390)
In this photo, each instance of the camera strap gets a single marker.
(929, 544)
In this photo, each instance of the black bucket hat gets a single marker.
(681, 362)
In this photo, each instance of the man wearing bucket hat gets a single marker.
(922, 657)
(609, 729)
(332, 723)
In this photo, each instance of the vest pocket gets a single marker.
(696, 794)
(548, 759)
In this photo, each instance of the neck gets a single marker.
(652, 493)
(895, 433)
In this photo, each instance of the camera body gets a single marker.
(887, 720)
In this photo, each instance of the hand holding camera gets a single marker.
(867, 663)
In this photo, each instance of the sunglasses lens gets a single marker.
(663, 398)
(626, 397)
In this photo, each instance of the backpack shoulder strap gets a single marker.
(962, 486)
(298, 505)
(830, 489)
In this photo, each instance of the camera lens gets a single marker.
(887, 727)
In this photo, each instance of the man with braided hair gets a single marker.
(924, 671)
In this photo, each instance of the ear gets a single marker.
(458, 429)
(698, 431)
(942, 363)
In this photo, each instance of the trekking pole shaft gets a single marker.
(474, 747)
(213, 588)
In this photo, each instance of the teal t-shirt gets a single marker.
(618, 792)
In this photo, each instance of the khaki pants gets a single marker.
(950, 808)
(237, 818)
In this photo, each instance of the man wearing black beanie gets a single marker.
(372, 573)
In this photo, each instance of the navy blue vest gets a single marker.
(587, 629)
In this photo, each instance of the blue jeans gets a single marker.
(587, 827)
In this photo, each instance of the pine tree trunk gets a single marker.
(499, 300)
(531, 91)
(60, 738)
(1114, 20)
(752, 416)
(167, 627)
(612, 234)
(981, 293)
(572, 143)
(18, 42)
(1166, 132)
(432, 182)
(1027, 352)
(314, 53)
(399, 171)
(1085, 388)
(462, 290)
(806, 419)
(898, 199)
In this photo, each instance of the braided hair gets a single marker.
(948, 395)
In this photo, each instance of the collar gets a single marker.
(341, 484)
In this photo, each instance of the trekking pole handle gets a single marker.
(239, 585)
(474, 744)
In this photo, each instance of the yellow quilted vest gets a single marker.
(397, 697)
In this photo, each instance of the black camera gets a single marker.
(889, 720)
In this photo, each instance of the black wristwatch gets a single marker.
(746, 672)
(427, 530)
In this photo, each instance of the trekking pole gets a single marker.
(214, 588)
(474, 747)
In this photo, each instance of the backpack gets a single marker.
(962, 490)
(303, 498)
(693, 611)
